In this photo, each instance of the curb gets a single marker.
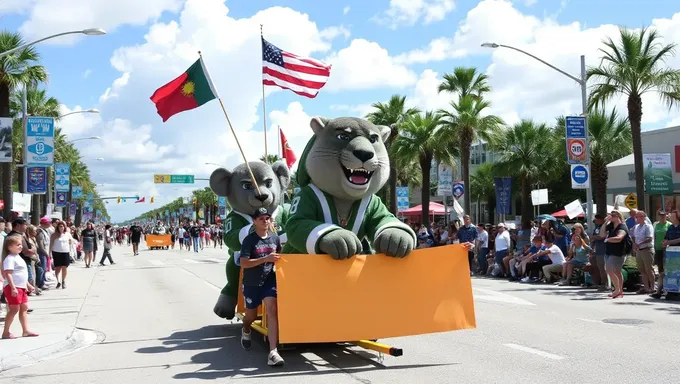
(78, 339)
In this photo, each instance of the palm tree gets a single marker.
(270, 158)
(482, 187)
(633, 66)
(465, 124)
(527, 152)
(465, 81)
(391, 114)
(37, 104)
(18, 68)
(610, 138)
(421, 138)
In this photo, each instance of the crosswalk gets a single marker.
(138, 261)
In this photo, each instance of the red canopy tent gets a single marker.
(435, 209)
(563, 213)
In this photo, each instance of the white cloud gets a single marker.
(114, 89)
(49, 17)
(364, 65)
(76, 125)
(345, 10)
(409, 12)
(15, 6)
(529, 3)
(518, 81)
(87, 73)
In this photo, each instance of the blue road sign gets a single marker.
(39, 146)
(576, 127)
(579, 177)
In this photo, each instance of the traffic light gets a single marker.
(118, 199)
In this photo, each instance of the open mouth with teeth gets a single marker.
(359, 176)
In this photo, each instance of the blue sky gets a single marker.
(372, 59)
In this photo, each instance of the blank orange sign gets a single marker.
(373, 296)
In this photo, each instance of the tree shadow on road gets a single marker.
(219, 347)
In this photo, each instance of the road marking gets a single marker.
(534, 351)
(155, 262)
(490, 295)
(190, 261)
(129, 264)
(603, 323)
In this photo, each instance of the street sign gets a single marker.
(445, 180)
(579, 177)
(35, 180)
(576, 140)
(39, 143)
(173, 179)
(62, 177)
(631, 201)
(402, 198)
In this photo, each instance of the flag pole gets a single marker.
(252, 177)
(264, 105)
(280, 146)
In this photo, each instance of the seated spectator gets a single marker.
(556, 258)
(578, 258)
(423, 241)
(534, 261)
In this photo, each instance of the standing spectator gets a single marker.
(482, 245)
(88, 240)
(15, 285)
(19, 227)
(39, 275)
(135, 237)
(468, 234)
(643, 246)
(60, 248)
(3, 234)
(503, 244)
(672, 238)
(660, 229)
(598, 258)
(108, 241)
(561, 236)
(615, 253)
(43, 243)
(195, 236)
(631, 221)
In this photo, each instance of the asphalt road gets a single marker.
(153, 315)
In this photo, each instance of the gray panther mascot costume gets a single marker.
(342, 167)
(237, 187)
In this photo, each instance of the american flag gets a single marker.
(302, 75)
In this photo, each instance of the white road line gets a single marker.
(603, 323)
(190, 261)
(534, 351)
(491, 295)
(129, 264)
(156, 262)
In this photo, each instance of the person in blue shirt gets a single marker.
(562, 234)
(468, 234)
(534, 263)
(630, 221)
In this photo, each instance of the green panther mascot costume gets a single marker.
(237, 187)
(336, 211)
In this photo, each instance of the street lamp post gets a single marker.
(584, 106)
(91, 110)
(219, 165)
(89, 32)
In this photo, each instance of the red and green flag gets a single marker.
(189, 90)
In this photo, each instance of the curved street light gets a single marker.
(88, 32)
(584, 105)
(91, 110)
(219, 165)
(85, 138)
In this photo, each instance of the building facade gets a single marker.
(621, 181)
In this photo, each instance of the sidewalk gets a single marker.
(54, 318)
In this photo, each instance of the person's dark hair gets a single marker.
(18, 221)
(2, 219)
(549, 238)
(107, 226)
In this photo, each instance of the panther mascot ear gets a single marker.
(220, 180)
(385, 132)
(318, 123)
(282, 173)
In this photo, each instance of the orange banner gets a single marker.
(373, 296)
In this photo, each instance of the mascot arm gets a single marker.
(389, 234)
(236, 228)
(305, 225)
(281, 222)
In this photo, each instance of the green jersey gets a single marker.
(313, 214)
(659, 234)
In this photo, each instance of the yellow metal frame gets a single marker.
(260, 326)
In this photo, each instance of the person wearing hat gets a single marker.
(259, 251)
